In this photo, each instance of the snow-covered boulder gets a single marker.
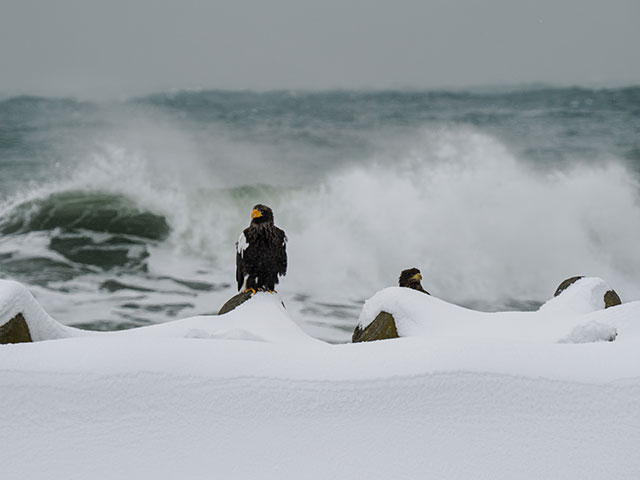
(580, 295)
(402, 312)
(610, 298)
(263, 319)
(15, 302)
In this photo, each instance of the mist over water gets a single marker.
(125, 214)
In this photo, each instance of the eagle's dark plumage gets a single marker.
(411, 278)
(261, 252)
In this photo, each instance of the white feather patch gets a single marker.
(242, 244)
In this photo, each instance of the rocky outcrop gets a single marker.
(383, 327)
(611, 298)
(234, 302)
(15, 330)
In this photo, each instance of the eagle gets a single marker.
(261, 253)
(411, 278)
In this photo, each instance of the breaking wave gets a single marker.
(78, 210)
(487, 228)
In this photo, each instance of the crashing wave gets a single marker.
(79, 210)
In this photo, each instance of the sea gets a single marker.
(124, 213)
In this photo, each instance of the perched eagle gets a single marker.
(261, 252)
(411, 278)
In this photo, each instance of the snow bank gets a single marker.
(263, 319)
(559, 319)
(248, 395)
(15, 299)
(585, 295)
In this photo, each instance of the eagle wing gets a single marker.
(282, 256)
(241, 246)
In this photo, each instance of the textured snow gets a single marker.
(249, 395)
(592, 332)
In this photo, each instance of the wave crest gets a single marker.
(78, 210)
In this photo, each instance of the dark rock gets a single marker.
(235, 301)
(566, 284)
(383, 327)
(611, 298)
(15, 330)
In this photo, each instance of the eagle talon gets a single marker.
(252, 291)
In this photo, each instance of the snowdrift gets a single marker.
(263, 319)
(577, 315)
(465, 394)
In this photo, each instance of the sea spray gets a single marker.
(480, 223)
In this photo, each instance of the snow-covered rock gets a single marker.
(16, 299)
(264, 318)
(610, 297)
(582, 295)
(416, 314)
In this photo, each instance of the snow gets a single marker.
(15, 298)
(249, 395)
(417, 314)
(263, 319)
(591, 332)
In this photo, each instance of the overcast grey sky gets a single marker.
(127, 47)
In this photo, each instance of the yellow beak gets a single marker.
(256, 213)
(417, 276)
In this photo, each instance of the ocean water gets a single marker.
(125, 213)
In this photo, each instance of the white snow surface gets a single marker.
(535, 395)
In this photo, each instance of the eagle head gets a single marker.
(261, 214)
(410, 278)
